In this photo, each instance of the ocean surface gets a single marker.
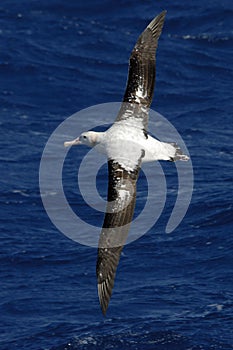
(172, 291)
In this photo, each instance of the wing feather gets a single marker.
(118, 217)
(141, 74)
(122, 183)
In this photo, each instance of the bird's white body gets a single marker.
(126, 144)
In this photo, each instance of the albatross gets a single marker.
(127, 145)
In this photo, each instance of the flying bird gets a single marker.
(127, 145)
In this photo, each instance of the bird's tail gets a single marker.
(177, 153)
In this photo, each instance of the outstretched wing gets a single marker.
(141, 74)
(119, 214)
(122, 181)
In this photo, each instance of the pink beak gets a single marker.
(72, 143)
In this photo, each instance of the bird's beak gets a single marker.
(72, 143)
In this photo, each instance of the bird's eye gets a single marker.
(84, 137)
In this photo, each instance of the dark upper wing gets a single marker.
(122, 183)
(141, 74)
(119, 213)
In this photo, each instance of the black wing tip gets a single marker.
(161, 16)
(157, 23)
(164, 12)
(104, 297)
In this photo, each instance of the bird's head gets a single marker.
(89, 138)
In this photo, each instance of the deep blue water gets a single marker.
(172, 291)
